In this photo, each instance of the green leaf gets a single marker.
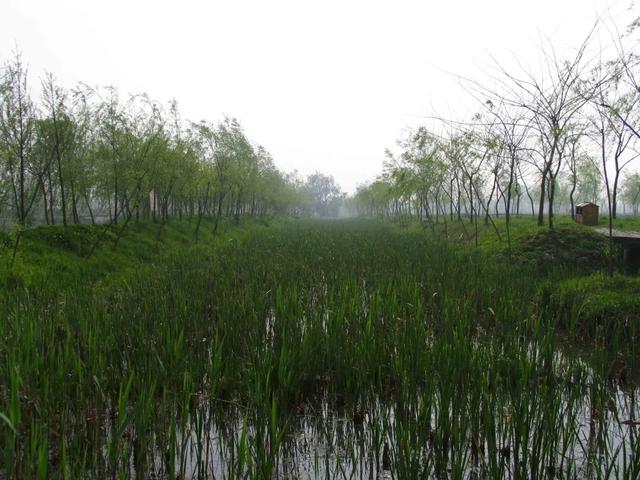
(8, 422)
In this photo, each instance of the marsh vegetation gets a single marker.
(307, 350)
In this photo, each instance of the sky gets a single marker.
(323, 85)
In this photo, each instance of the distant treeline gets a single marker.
(86, 154)
(539, 144)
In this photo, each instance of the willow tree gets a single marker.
(325, 193)
(373, 199)
(57, 134)
(423, 172)
(224, 146)
(83, 168)
(631, 192)
(17, 137)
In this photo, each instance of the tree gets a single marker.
(511, 129)
(552, 100)
(631, 191)
(124, 159)
(590, 180)
(57, 132)
(613, 112)
(224, 147)
(17, 120)
(574, 163)
(325, 194)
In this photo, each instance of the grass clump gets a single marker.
(573, 248)
(597, 305)
(77, 239)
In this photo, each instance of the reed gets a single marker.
(311, 349)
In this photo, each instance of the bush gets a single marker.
(575, 249)
(6, 240)
(75, 238)
(11, 280)
(596, 304)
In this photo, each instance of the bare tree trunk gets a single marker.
(552, 190)
(74, 203)
(86, 199)
(201, 208)
(493, 189)
(51, 203)
(218, 213)
(44, 200)
(115, 189)
(543, 184)
(606, 182)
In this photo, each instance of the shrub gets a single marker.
(595, 304)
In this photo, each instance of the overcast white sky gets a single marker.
(323, 85)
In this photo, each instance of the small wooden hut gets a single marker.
(587, 213)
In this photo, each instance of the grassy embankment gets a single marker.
(335, 347)
(571, 261)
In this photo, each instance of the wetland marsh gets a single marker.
(314, 350)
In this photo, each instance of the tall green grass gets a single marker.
(316, 349)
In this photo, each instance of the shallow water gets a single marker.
(367, 442)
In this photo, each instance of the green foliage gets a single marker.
(256, 350)
(5, 240)
(597, 305)
(75, 238)
(88, 154)
(324, 193)
(631, 191)
(573, 248)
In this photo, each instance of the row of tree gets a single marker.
(540, 143)
(85, 154)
